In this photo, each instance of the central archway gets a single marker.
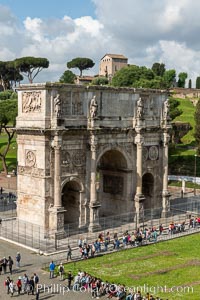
(113, 177)
(148, 190)
(71, 201)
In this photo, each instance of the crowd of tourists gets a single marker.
(98, 288)
(84, 282)
(22, 284)
(105, 243)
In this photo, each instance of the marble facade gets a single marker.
(86, 152)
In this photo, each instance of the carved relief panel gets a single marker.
(150, 153)
(73, 161)
(30, 158)
(31, 102)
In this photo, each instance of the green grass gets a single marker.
(11, 158)
(170, 263)
(187, 116)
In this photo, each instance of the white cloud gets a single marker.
(145, 31)
(33, 28)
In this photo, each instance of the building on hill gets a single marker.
(84, 79)
(111, 63)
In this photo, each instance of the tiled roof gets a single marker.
(115, 56)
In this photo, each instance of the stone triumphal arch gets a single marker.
(90, 152)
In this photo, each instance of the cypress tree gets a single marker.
(198, 83)
(197, 126)
(190, 84)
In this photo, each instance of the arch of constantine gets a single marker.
(90, 152)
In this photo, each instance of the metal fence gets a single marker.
(34, 236)
(7, 207)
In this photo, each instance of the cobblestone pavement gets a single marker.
(32, 263)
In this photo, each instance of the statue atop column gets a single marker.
(93, 107)
(57, 106)
(140, 108)
(166, 107)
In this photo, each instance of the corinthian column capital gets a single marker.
(139, 139)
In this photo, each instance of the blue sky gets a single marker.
(50, 8)
(145, 31)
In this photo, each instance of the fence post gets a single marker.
(56, 247)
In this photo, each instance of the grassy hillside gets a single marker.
(182, 156)
(187, 116)
(173, 263)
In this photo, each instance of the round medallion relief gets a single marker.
(153, 152)
(30, 158)
(78, 159)
(145, 153)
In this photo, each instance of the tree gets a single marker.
(174, 111)
(3, 76)
(67, 77)
(13, 74)
(198, 83)
(158, 69)
(8, 113)
(100, 81)
(130, 75)
(182, 78)
(190, 84)
(81, 63)
(197, 126)
(30, 66)
(170, 77)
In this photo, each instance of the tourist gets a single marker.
(31, 285)
(69, 253)
(61, 271)
(11, 287)
(18, 259)
(25, 283)
(10, 264)
(69, 278)
(35, 278)
(19, 285)
(51, 269)
(161, 229)
(4, 264)
(7, 284)
(0, 267)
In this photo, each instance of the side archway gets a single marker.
(71, 192)
(148, 190)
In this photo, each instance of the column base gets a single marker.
(139, 209)
(165, 214)
(94, 227)
(139, 199)
(166, 205)
(56, 220)
(94, 217)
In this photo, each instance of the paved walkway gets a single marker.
(32, 263)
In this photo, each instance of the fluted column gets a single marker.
(94, 205)
(57, 171)
(56, 212)
(139, 197)
(165, 192)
